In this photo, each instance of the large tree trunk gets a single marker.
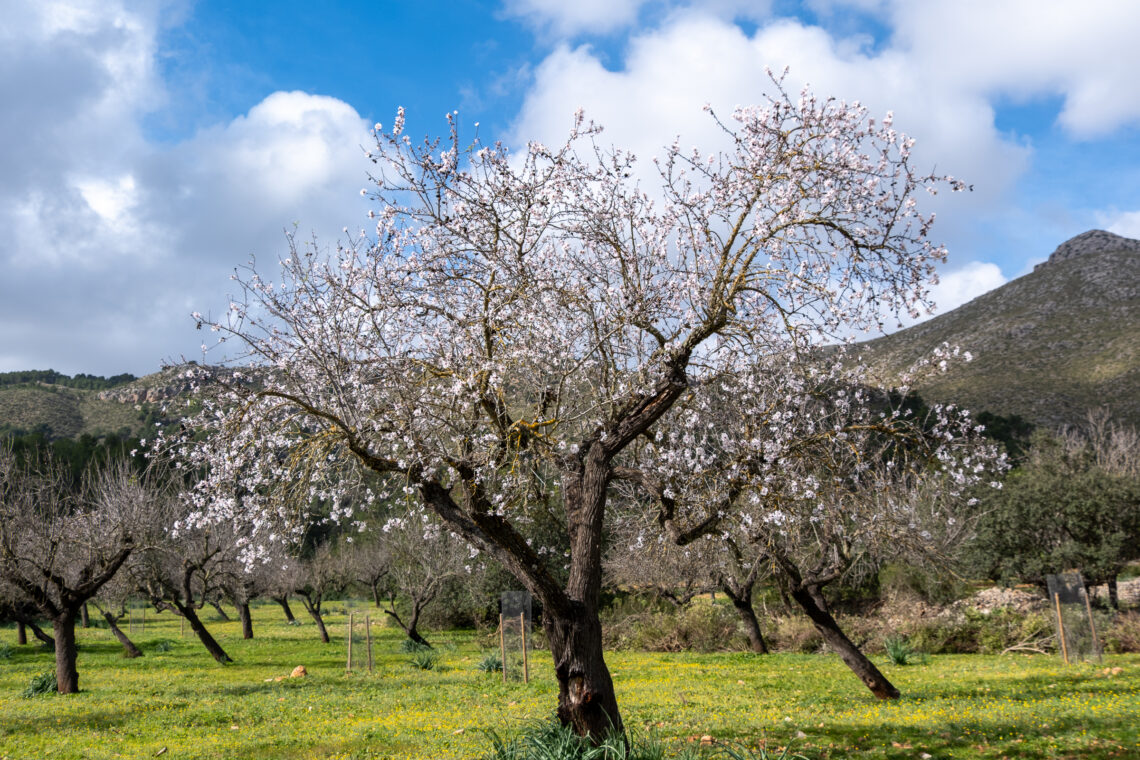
(66, 652)
(21, 633)
(843, 646)
(212, 646)
(246, 620)
(130, 651)
(751, 624)
(586, 698)
(283, 600)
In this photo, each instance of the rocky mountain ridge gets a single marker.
(1048, 346)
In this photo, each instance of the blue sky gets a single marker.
(149, 147)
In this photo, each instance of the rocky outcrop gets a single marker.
(1093, 241)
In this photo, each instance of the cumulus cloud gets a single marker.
(115, 239)
(943, 67)
(964, 284)
(670, 72)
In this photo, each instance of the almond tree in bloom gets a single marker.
(796, 466)
(519, 321)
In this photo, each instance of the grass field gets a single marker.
(180, 704)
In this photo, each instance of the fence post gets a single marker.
(1061, 628)
(522, 632)
(348, 662)
(368, 638)
(503, 646)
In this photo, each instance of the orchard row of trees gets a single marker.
(563, 355)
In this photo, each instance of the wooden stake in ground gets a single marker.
(1061, 628)
(1092, 626)
(348, 663)
(503, 647)
(368, 639)
(522, 632)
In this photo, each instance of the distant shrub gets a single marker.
(5, 651)
(1124, 634)
(162, 645)
(980, 633)
(796, 634)
(698, 627)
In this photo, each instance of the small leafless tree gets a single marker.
(184, 566)
(60, 542)
(424, 557)
(318, 576)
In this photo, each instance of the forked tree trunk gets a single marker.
(212, 646)
(221, 613)
(130, 651)
(284, 602)
(314, 610)
(66, 652)
(21, 633)
(843, 646)
(410, 627)
(586, 698)
(246, 620)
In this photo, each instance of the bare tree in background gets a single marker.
(60, 542)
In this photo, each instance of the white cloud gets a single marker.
(669, 73)
(962, 285)
(115, 240)
(570, 18)
(1124, 223)
(1085, 52)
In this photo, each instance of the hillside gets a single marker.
(1048, 346)
(58, 409)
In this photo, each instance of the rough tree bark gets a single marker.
(246, 620)
(283, 600)
(130, 651)
(66, 652)
(21, 633)
(212, 646)
(742, 603)
(862, 667)
(313, 607)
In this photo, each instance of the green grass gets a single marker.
(969, 706)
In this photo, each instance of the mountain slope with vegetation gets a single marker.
(1048, 346)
